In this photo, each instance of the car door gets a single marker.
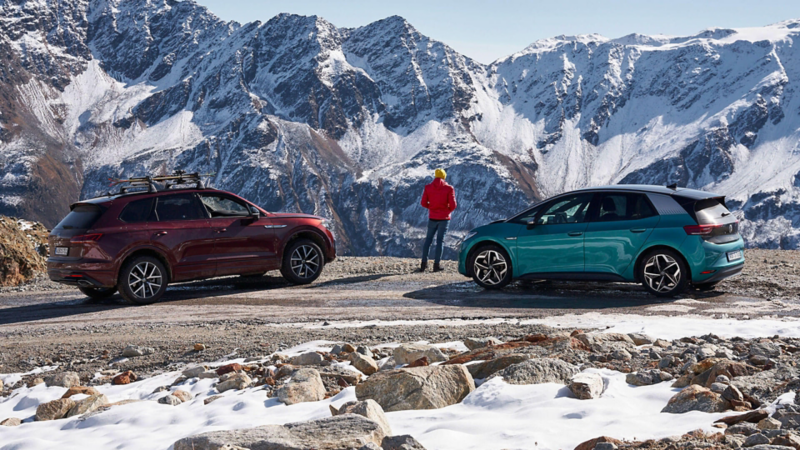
(620, 225)
(182, 230)
(553, 241)
(244, 240)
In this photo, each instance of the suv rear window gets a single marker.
(81, 217)
(711, 211)
(138, 211)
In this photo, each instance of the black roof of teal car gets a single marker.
(682, 192)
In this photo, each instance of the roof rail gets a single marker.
(178, 178)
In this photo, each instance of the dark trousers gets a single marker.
(439, 228)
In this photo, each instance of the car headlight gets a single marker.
(466, 238)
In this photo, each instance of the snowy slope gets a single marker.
(297, 114)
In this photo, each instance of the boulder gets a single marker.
(368, 408)
(752, 417)
(55, 409)
(227, 368)
(695, 398)
(428, 387)
(363, 363)
(170, 400)
(352, 377)
(538, 370)
(473, 343)
(408, 353)
(339, 432)
(586, 386)
(766, 349)
(64, 379)
(756, 439)
(307, 359)
(75, 390)
(11, 422)
(717, 367)
(236, 381)
(647, 377)
(364, 350)
(304, 386)
(404, 442)
(641, 339)
(194, 372)
(133, 351)
(768, 423)
(126, 377)
(88, 405)
(788, 440)
(183, 396)
(485, 369)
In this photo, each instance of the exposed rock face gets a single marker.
(408, 353)
(305, 386)
(309, 108)
(333, 433)
(538, 370)
(429, 387)
(695, 398)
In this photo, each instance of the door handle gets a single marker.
(638, 230)
(221, 230)
(575, 233)
(160, 233)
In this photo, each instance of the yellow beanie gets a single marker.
(440, 173)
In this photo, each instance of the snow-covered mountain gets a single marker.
(299, 115)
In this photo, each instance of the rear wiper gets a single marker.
(725, 214)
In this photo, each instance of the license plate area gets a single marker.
(734, 255)
(62, 251)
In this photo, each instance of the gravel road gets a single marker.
(43, 323)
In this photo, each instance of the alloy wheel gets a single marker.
(662, 273)
(490, 267)
(305, 261)
(145, 280)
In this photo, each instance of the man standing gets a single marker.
(439, 198)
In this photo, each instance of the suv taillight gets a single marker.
(86, 237)
(705, 230)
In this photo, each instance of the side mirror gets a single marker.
(532, 223)
(254, 212)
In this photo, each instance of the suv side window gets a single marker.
(571, 209)
(222, 206)
(615, 207)
(138, 211)
(179, 207)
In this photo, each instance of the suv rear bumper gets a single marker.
(81, 273)
(721, 274)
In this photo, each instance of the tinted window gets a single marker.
(624, 207)
(179, 207)
(711, 211)
(570, 209)
(138, 211)
(221, 206)
(81, 217)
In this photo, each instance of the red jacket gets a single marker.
(440, 200)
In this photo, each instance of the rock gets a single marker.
(337, 349)
(420, 362)
(661, 343)
(348, 348)
(695, 398)
(766, 349)
(37, 381)
(235, 381)
(755, 439)
(719, 388)
(787, 419)
(473, 343)
(207, 374)
(408, 353)
(788, 440)
(732, 394)
(591, 339)
(621, 355)
(183, 396)
(64, 379)
(211, 399)
(88, 405)
(75, 390)
(743, 428)
(364, 350)
(722, 379)
(641, 338)
(428, 387)
(717, 367)
(235, 367)
(11, 422)
(586, 386)
(485, 369)
(304, 386)
(126, 377)
(55, 409)
(389, 364)
(352, 377)
(404, 442)
(307, 359)
(751, 416)
(340, 432)
(363, 363)
(194, 372)
(770, 447)
(198, 347)
(368, 408)
(370, 446)
(538, 370)
(592, 443)
(605, 446)
(133, 351)
(647, 377)
(666, 362)
(769, 424)
(170, 400)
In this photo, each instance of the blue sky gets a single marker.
(486, 30)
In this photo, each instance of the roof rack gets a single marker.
(178, 178)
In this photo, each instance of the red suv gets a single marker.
(139, 242)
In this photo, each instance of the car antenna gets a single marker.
(673, 186)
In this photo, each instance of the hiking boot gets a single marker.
(423, 266)
(437, 267)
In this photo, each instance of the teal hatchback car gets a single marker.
(663, 237)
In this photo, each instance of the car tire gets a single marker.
(706, 286)
(95, 293)
(303, 262)
(490, 267)
(143, 280)
(663, 273)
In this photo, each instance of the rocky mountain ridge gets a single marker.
(299, 115)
